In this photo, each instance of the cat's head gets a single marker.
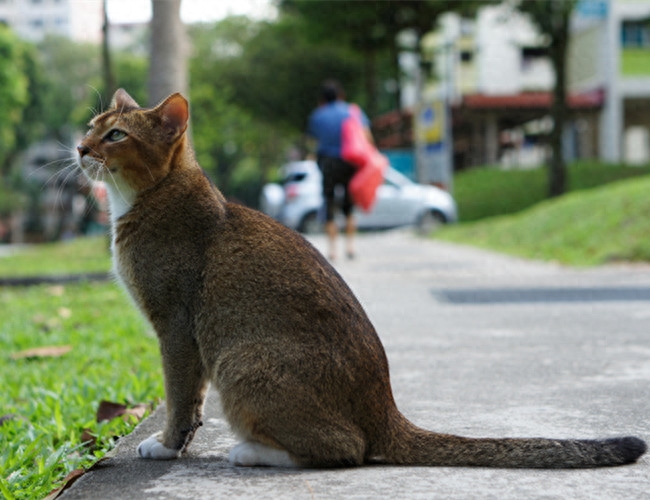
(133, 148)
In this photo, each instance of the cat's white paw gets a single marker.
(250, 454)
(153, 448)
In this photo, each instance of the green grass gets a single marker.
(52, 400)
(75, 256)
(635, 62)
(588, 227)
(486, 192)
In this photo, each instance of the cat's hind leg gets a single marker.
(326, 440)
(251, 453)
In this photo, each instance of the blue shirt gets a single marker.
(325, 125)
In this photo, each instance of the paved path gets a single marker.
(479, 344)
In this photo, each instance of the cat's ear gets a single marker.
(121, 100)
(174, 114)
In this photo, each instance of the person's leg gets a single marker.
(350, 230)
(328, 170)
(348, 207)
(332, 232)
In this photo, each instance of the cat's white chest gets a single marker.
(120, 199)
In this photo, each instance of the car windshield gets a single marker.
(395, 177)
(294, 177)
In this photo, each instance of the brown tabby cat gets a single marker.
(242, 302)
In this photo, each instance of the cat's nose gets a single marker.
(83, 150)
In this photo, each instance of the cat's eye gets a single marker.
(115, 135)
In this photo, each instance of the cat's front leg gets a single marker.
(152, 447)
(185, 388)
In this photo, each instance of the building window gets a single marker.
(635, 34)
(530, 56)
(466, 56)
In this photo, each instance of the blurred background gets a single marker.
(448, 85)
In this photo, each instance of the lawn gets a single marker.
(486, 192)
(82, 255)
(95, 348)
(583, 228)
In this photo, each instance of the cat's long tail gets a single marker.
(420, 447)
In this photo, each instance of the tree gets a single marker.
(553, 18)
(107, 67)
(168, 69)
(236, 137)
(14, 95)
(370, 28)
(279, 71)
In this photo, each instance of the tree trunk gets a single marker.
(559, 46)
(107, 66)
(168, 64)
(370, 75)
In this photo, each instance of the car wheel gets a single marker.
(429, 221)
(311, 224)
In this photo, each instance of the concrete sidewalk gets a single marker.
(480, 345)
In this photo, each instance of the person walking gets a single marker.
(325, 126)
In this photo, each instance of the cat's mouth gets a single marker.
(93, 168)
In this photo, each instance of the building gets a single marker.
(32, 20)
(496, 76)
(624, 35)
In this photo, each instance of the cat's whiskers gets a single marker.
(150, 173)
(101, 101)
(61, 178)
(115, 184)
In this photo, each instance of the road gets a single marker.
(479, 344)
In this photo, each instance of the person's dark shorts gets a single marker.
(336, 172)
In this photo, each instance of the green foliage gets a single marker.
(74, 79)
(584, 228)
(369, 29)
(14, 96)
(9, 199)
(131, 74)
(487, 192)
(49, 401)
(236, 142)
(74, 87)
(279, 73)
(635, 61)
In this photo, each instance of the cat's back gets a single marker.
(261, 271)
(253, 250)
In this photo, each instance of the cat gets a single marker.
(242, 302)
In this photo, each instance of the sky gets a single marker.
(127, 11)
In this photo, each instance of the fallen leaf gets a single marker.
(39, 318)
(43, 352)
(108, 410)
(67, 482)
(48, 324)
(57, 290)
(6, 418)
(87, 438)
(64, 312)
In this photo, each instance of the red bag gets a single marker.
(364, 183)
(360, 152)
(355, 147)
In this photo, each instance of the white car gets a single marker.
(298, 202)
